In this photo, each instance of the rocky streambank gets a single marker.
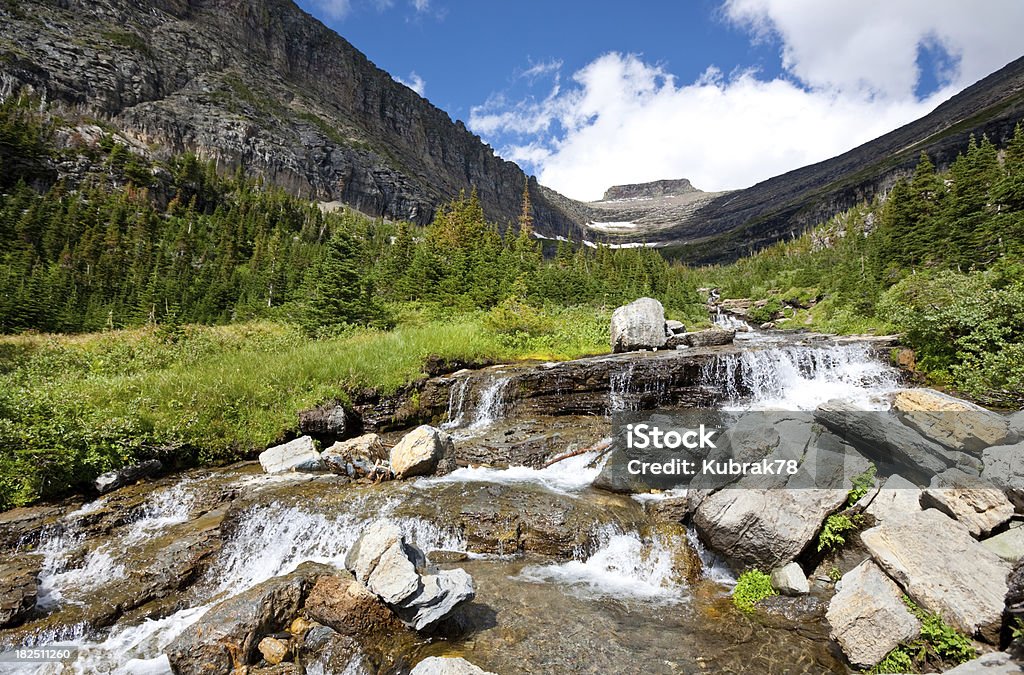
(474, 532)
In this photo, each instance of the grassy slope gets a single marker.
(74, 406)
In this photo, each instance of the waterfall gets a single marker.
(800, 377)
(623, 566)
(490, 404)
(729, 322)
(624, 392)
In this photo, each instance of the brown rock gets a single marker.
(344, 604)
(18, 587)
(274, 651)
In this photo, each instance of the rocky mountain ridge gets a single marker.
(257, 84)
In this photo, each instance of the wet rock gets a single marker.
(400, 575)
(348, 607)
(970, 500)
(225, 639)
(764, 527)
(944, 569)
(326, 420)
(364, 456)
(952, 422)
(868, 616)
(1015, 591)
(447, 557)
(993, 663)
(447, 665)
(638, 325)
(669, 510)
(1004, 468)
(18, 587)
(712, 337)
(297, 455)
(25, 523)
(897, 497)
(790, 580)
(803, 609)
(423, 451)
(337, 653)
(1008, 545)
(112, 480)
(274, 651)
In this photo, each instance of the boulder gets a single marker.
(950, 421)
(712, 337)
(348, 607)
(764, 528)
(790, 580)
(274, 651)
(423, 451)
(897, 497)
(1017, 422)
(638, 325)
(297, 455)
(399, 573)
(889, 442)
(993, 663)
(1015, 591)
(867, 615)
(969, 499)
(364, 456)
(944, 569)
(113, 480)
(1004, 468)
(225, 639)
(1008, 545)
(447, 665)
(673, 327)
(19, 587)
(325, 420)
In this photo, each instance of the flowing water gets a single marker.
(625, 594)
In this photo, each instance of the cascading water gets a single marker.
(623, 566)
(800, 377)
(567, 476)
(490, 404)
(729, 322)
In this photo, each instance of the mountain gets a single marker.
(726, 226)
(262, 85)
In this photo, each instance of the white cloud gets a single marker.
(421, 5)
(415, 82)
(333, 10)
(851, 73)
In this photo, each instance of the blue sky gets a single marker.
(724, 92)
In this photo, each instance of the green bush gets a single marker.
(896, 661)
(752, 587)
(837, 526)
(862, 483)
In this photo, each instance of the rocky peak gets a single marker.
(654, 189)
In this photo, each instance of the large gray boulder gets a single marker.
(447, 665)
(638, 325)
(1007, 545)
(423, 451)
(867, 615)
(950, 421)
(764, 528)
(993, 663)
(969, 499)
(297, 455)
(711, 337)
(944, 569)
(364, 456)
(400, 575)
(1004, 468)
(898, 497)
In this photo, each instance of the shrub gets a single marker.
(837, 526)
(752, 587)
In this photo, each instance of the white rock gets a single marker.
(951, 421)
(1004, 468)
(943, 569)
(897, 498)
(421, 452)
(1007, 545)
(993, 663)
(447, 665)
(297, 455)
(868, 616)
(638, 325)
(790, 580)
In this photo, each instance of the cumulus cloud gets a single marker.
(421, 5)
(850, 76)
(415, 82)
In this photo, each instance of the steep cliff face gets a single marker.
(262, 85)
